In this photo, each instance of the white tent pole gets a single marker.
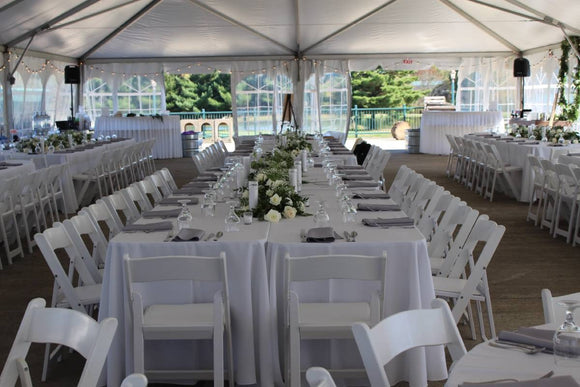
(239, 24)
(7, 91)
(570, 43)
(350, 25)
(481, 26)
(297, 29)
(47, 25)
(56, 27)
(10, 5)
(131, 20)
(546, 18)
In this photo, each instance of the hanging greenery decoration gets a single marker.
(569, 110)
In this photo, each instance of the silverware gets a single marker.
(303, 235)
(529, 350)
(546, 376)
(218, 236)
(209, 236)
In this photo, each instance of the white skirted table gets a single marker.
(165, 130)
(435, 125)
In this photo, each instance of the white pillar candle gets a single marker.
(70, 141)
(293, 175)
(304, 160)
(253, 194)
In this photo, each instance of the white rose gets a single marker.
(261, 177)
(272, 216)
(289, 212)
(269, 192)
(246, 194)
(301, 207)
(275, 200)
(554, 140)
(277, 183)
(269, 183)
(574, 141)
(295, 152)
(289, 202)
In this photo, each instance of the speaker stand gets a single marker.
(72, 109)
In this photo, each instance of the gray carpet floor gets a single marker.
(527, 260)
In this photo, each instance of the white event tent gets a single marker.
(273, 47)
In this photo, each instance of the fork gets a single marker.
(529, 350)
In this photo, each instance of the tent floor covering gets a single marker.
(527, 260)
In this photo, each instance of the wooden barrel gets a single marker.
(413, 140)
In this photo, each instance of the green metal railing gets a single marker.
(378, 121)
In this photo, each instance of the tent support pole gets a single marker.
(571, 43)
(7, 91)
(546, 18)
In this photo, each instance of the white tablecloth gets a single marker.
(166, 131)
(435, 125)
(485, 363)
(255, 264)
(517, 154)
(20, 170)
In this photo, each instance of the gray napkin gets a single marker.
(530, 143)
(5, 164)
(159, 226)
(198, 184)
(555, 144)
(188, 234)
(175, 201)
(357, 178)
(359, 183)
(350, 167)
(371, 195)
(386, 223)
(341, 152)
(357, 171)
(205, 178)
(162, 213)
(320, 234)
(556, 381)
(188, 191)
(377, 207)
(531, 336)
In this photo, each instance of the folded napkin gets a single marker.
(359, 183)
(199, 183)
(555, 144)
(341, 152)
(353, 172)
(188, 191)
(148, 227)
(531, 336)
(377, 207)
(3, 167)
(386, 223)
(5, 164)
(530, 143)
(216, 169)
(205, 178)
(162, 213)
(555, 381)
(188, 234)
(506, 139)
(520, 140)
(320, 234)
(371, 195)
(350, 167)
(175, 201)
(357, 177)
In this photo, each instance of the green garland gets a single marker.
(569, 110)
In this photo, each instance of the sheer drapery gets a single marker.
(541, 87)
(486, 84)
(320, 95)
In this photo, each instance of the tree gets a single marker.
(381, 88)
(194, 92)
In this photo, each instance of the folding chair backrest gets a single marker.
(161, 183)
(554, 311)
(438, 211)
(319, 377)
(166, 174)
(99, 212)
(117, 203)
(403, 331)
(134, 194)
(149, 189)
(537, 168)
(551, 175)
(568, 182)
(60, 326)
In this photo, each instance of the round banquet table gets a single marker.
(165, 130)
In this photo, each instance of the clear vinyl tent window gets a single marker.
(98, 95)
(139, 95)
(329, 111)
(57, 97)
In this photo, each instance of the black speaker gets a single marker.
(521, 67)
(72, 75)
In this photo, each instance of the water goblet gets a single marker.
(321, 217)
(567, 338)
(232, 220)
(185, 217)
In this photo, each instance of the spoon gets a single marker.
(218, 236)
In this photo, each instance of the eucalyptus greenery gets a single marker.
(569, 110)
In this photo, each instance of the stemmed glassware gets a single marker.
(185, 217)
(321, 217)
(232, 220)
(567, 338)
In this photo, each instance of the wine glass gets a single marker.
(321, 217)
(208, 204)
(232, 220)
(185, 217)
(567, 338)
(544, 134)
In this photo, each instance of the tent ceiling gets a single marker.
(126, 29)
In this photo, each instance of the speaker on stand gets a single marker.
(72, 76)
(521, 70)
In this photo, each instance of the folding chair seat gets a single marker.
(134, 194)
(462, 290)
(551, 193)
(568, 201)
(538, 190)
(554, 311)
(82, 298)
(187, 321)
(319, 377)
(402, 332)
(9, 232)
(107, 221)
(126, 211)
(330, 320)
(70, 328)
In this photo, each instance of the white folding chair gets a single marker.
(161, 184)
(70, 328)
(190, 321)
(538, 190)
(402, 332)
(399, 185)
(454, 155)
(435, 213)
(9, 232)
(319, 377)
(135, 380)
(568, 201)
(166, 174)
(475, 287)
(554, 311)
(497, 167)
(107, 221)
(133, 194)
(119, 205)
(551, 192)
(330, 320)
(150, 191)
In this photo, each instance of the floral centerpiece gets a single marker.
(552, 134)
(277, 198)
(57, 140)
(294, 143)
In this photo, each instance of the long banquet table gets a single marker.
(165, 130)
(516, 153)
(254, 260)
(435, 125)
